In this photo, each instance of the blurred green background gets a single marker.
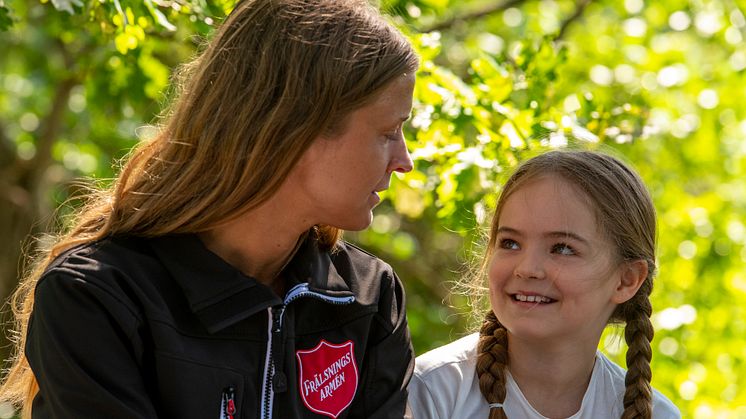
(659, 83)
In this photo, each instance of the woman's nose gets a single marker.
(401, 161)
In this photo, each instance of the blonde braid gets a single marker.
(638, 333)
(492, 360)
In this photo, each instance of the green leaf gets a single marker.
(67, 5)
(6, 18)
(159, 16)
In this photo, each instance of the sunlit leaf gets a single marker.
(159, 16)
(67, 5)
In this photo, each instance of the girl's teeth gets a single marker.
(532, 298)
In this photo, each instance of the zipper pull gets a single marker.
(277, 319)
(228, 404)
(279, 380)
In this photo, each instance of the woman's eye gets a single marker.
(509, 244)
(563, 249)
(393, 136)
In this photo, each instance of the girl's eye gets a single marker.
(563, 249)
(509, 244)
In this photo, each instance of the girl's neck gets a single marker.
(552, 377)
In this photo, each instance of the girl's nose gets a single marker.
(530, 267)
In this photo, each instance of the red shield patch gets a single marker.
(328, 377)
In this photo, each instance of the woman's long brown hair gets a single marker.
(277, 75)
(625, 212)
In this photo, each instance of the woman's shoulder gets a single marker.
(346, 252)
(94, 255)
(92, 276)
(94, 258)
(109, 268)
(362, 270)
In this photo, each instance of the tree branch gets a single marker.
(580, 7)
(6, 151)
(51, 125)
(477, 14)
(49, 129)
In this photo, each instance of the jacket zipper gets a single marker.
(303, 290)
(276, 380)
(228, 404)
(268, 394)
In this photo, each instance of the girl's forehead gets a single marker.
(550, 203)
(550, 189)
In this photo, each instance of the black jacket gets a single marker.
(145, 328)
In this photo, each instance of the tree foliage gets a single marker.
(657, 83)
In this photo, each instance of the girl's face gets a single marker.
(553, 275)
(337, 180)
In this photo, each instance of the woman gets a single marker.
(571, 249)
(209, 280)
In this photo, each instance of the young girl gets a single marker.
(209, 281)
(571, 249)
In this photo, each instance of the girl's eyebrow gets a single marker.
(503, 229)
(508, 230)
(566, 234)
(551, 234)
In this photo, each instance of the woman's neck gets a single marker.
(259, 243)
(553, 377)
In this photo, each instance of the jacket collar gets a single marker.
(317, 268)
(220, 295)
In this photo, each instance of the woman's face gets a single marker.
(337, 180)
(553, 274)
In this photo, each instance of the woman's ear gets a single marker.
(633, 274)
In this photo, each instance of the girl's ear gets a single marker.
(633, 274)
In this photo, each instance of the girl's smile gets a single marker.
(553, 272)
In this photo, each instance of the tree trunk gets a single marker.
(25, 203)
(16, 221)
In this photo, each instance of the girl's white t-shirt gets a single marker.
(445, 386)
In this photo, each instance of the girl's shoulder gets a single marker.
(663, 408)
(444, 384)
(457, 357)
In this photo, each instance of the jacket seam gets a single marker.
(197, 362)
(71, 275)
